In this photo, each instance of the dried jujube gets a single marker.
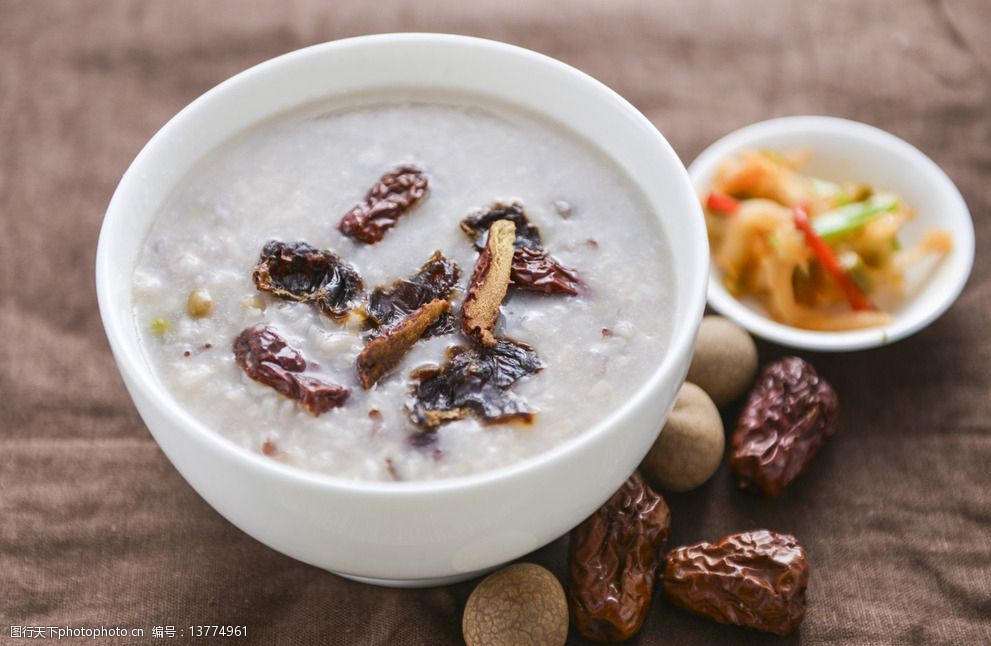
(532, 268)
(474, 379)
(786, 418)
(296, 271)
(614, 555)
(269, 359)
(755, 579)
(476, 225)
(437, 278)
(535, 270)
(394, 195)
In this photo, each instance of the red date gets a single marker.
(296, 271)
(614, 555)
(474, 379)
(533, 269)
(394, 195)
(268, 359)
(755, 579)
(786, 419)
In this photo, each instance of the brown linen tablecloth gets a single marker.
(97, 528)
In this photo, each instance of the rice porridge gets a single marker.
(579, 348)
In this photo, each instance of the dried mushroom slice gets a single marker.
(435, 279)
(527, 233)
(474, 379)
(533, 268)
(298, 272)
(269, 359)
(394, 195)
(383, 353)
(489, 283)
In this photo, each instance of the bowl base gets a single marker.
(416, 583)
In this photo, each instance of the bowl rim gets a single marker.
(844, 341)
(139, 376)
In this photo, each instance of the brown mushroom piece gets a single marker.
(489, 283)
(533, 269)
(384, 352)
(437, 278)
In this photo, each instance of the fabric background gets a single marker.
(97, 528)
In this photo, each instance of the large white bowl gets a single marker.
(413, 533)
(845, 150)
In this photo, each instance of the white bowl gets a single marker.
(413, 533)
(847, 150)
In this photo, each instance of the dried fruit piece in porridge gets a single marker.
(474, 379)
(489, 283)
(298, 272)
(614, 556)
(435, 279)
(383, 352)
(533, 268)
(394, 195)
(268, 359)
(755, 579)
(527, 233)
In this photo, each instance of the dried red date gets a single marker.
(533, 268)
(536, 271)
(474, 379)
(395, 194)
(614, 555)
(755, 579)
(296, 271)
(435, 279)
(527, 233)
(786, 418)
(268, 359)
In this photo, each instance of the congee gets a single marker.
(404, 287)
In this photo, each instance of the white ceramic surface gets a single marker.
(847, 150)
(412, 533)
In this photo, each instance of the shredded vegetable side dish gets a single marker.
(817, 254)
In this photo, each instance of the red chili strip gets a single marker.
(824, 254)
(722, 203)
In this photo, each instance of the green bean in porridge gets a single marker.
(404, 287)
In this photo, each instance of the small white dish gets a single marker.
(847, 150)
